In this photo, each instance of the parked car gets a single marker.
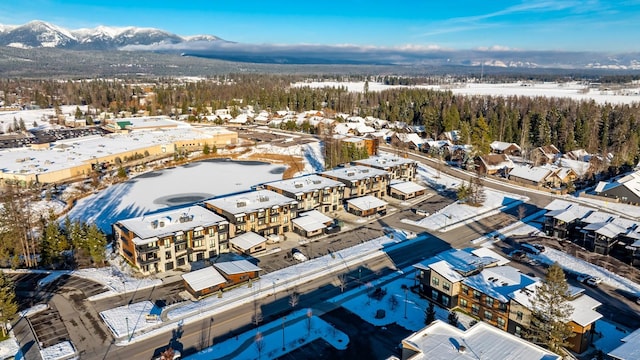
(582, 277)
(273, 238)
(540, 247)
(593, 281)
(518, 255)
(332, 229)
(528, 248)
(298, 255)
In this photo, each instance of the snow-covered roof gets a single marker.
(236, 267)
(580, 167)
(149, 228)
(312, 220)
(354, 173)
(74, 152)
(250, 202)
(567, 211)
(407, 187)
(305, 184)
(535, 174)
(442, 341)
(446, 270)
(385, 161)
(412, 138)
(502, 146)
(598, 217)
(630, 181)
(583, 305)
(499, 282)
(204, 278)
(485, 252)
(367, 202)
(247, 240)
(496, 162)
(463, 261)
(630, 348)
(139, 123)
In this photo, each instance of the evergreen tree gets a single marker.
(429, 314)
(96, 243)
(8, 304)
(481, 137)
(206, 149)
(551, 311)
(53, 242)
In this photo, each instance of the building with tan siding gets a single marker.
(312, 192)
(360, 180)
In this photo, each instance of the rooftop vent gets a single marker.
(264, 198)
(317, 182)
(297, 185)
(462, 349)
(241, 204)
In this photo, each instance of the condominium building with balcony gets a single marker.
(399, 168)
(360, 180)
(171, 239)
(312, 192)
(263, 212)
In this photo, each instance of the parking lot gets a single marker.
(49, 327)
(88, 287)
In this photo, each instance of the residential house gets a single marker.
(486, 295)
(582, 319)
(171, 239)
(624, 190)
(544, 155)
(410, 141)
(398, 167)
(534, 176)
(493, 164)
(442, 341)
(360, 180)
(405, 190)
(501, 147)
(311, 223)
(561, 219)
(437, 147)
(264, 212)
(312, 192)
(578, 154)
(439, 277)
(600, 237)
(366, 206)
(561, 176)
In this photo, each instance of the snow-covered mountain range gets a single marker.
(38, 34)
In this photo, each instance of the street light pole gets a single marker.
(127, 320)
(359, 276)
(284, 318)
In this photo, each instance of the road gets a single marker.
(196, 336)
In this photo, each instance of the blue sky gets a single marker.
(564, 25)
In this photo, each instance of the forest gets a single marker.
(530, 122)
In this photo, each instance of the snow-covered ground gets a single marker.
(9, 348)
(40, 117)
(311, 154)
(163, 188)
(295, 330)
(574, 90)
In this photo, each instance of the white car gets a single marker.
(298, 255)
(273, 238)
(593, 281)
(583, 278)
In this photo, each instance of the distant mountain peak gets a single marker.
(38, 33)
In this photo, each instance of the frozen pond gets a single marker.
(172, 187)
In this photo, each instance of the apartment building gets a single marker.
(171, 239)
(399, 168)
(312, 192)
(263, 212)
(360, 180)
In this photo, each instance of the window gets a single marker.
(518, 331)
(167, 255)
(274, 218)
(519, 315)
(477, 294)
(197, 243)
(198, 233)
(446, 286)
(168, 266)
(500, 321)
(435, 281)
(465, 289)
(167, 243)
(475, 309)
(221, 227)
(212, 231)
(502, 307)
(489, 301)
(434, 294)
(223, 236)
(488, 315)
(445, 300)
(463, 303)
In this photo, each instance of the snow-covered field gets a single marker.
(572, 90)
(163, 188)
(311, 153)
(40, 117)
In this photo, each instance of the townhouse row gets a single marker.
(173, 238)
(480, 283)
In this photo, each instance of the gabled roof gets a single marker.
(630, 348)
(463, 261)
(312, 220)
(499, 282)
(204, 278)
(442, 341)
(385, 161)
(251, 201)
(534, 174)
(354, 173)
(305, 184)
(502, 146)
(496, 161)
(407, 187)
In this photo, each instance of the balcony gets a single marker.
(148, 261)
(180, 241)
(146, 249)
